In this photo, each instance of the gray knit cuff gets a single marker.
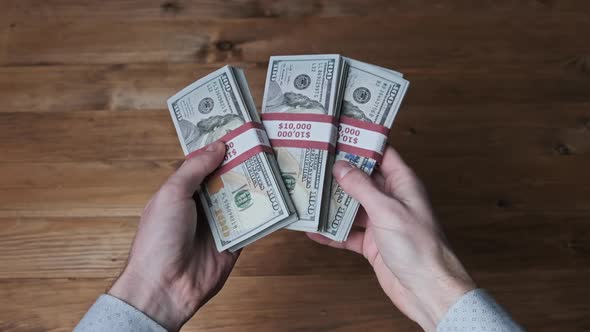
(113, 315)
(477, 311)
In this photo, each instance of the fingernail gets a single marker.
(341, 169)
(211, 147)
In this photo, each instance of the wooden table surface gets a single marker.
(496, 122)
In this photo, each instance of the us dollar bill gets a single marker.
(250, 200)
(306, 84)
(371, 94)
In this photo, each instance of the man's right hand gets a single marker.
(402, 240)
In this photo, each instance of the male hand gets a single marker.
(174, 267)
(401, 239)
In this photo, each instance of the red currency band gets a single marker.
(300, 117)
(229, 136)
(241, 129)
(376, 155)
(243, 156)
(364, 125)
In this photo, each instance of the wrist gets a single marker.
(447, 283)
(446, 292)
(149, 297)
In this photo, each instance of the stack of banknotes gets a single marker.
(277, 170)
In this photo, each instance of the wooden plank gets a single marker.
(476, 40)
(150, 9)
(147, 86)
(121, 188)
(493, 130)
(247, 304)
(146, 176)
(97, 247)
(79, 136)
(88, 189)
(64, 248)
(319, 303)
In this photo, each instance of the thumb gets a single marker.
(359, 186)
(197, 166)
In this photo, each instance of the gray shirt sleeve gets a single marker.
(113, 315)
(477, 311)
(474, 311)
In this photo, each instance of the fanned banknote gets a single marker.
(372, 97)
(244, 199)
(300, 109)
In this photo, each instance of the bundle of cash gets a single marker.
(316, 109)
(243, 200)
(372, 97)
(300, 110)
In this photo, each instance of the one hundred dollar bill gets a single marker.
(371, 94)
(301, 105)
(247, 200)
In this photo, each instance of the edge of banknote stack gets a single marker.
(372, 98)
(300, 111)
(243, 200)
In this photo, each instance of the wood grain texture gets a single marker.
(152, 9)
(147, 86)
(496, 122)
(121, 188)
(482, 40)
(271, 303)
(97, 247)
(531, 129)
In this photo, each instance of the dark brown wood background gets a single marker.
(496, 122)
